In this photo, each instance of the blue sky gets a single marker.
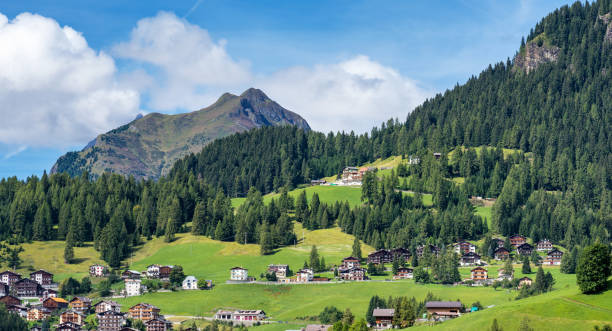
(294, 51)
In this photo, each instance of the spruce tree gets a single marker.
(593, 268)
(68, 252)
(356, 249)
(198, 223)
(526, 269)
(314, 259)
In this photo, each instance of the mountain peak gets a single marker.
(254, 94)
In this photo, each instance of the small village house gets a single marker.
(317, 182)
(441, 310)
(351, 175)
(42, 277)
(27, 288)
(304, 275)
(517, 240)
(279, 270)
(9, 278)
(403, 273)
(190, 283)
(239, 274)
(525, 281)
(48, 293)
(164, 272)
(544, 245)
(223, 315)
(383, 317)
(133, 287)
(131, 274)
(497, 243)
(22, 311)
(380, 256)
(106, 305)
(553, 257)
(464, 247)
(401, 254)
(110, 320)
(248, 315)
(68, 326)
(437, 155)
(153, 271)
(469, 259)
(38, 313)
(501, 275)
(72, 316)
(143, 312)
(479, 274)
(434, 250)
(317, 327)
(158, 324)
(356, 273)
(524, 249)
(97, 270)
(54, 304)
(501, 253)
(350, 262)
(9, 300)
(80, 304)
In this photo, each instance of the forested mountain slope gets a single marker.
(148, 146)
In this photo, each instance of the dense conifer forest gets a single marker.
(557, 185)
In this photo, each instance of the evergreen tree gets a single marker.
(526, 267)
(68, 252)
(198, 223)
(593, 268)
(356, 249)
(495, 326)
(508, 268)
(265, 240)
(314, 259)
(568, 262)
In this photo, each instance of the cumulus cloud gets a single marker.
(54, 89)
(191, 65)
(355, 94)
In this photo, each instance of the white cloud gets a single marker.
(355, 94)
(54, 89)
(192, 66)
(14, 152)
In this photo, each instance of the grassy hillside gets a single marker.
(327, 194)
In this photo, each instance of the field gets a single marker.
(327, 194)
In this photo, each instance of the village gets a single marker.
(37, 298)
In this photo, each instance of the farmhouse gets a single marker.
(42, 277)
(524, 249)
(239, 274)
(80, 304)
(501, 275)
(351, 175)
(440, 310)
(380, 256)
(464, 247)
(223, 315)
(131, 274)
(356, 273)
(158, 324)
(383, 317)
(9, 300)
(479, 274)
(497, 243)
(525, 281)
(280, 270)
(110, 320)
(103, 306)
(97, 270)
(403, 273)
(143, 312)
(469, 259)
(317, 182)
(434, 250)
(72, 316)
(190, 283)
(54, 304)
(350, 262)
(133, 287)
(38, 313)
(9, 278)
(27, 288)
(544, 245)
(517, 240)
(19, 310)
(553, 257)
(304, 275)
(501, 253)
(49, 293)
(248, 315)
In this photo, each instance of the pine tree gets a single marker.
(314, 259)
(495, 326)
(593, 268)
(356, 249)
(68, 252)
(198, 224)
(526, 266)
(265, 240)
(508, 268)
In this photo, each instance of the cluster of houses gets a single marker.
(133, 279)
(72, 314)
(436, 311)
(39, 285)
(518, 242)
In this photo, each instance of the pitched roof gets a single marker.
(555, 251)
(238, 268)
(60, 300)
(9, 272)
(443, 304)
(479, 268)
(350, 258)
(112, 303)
(190, 278)
(41, 271)
(381, 312)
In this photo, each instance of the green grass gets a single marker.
(327, 194)
(485, 212)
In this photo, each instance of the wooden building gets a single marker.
(479, 274)
(80, 304)
(553, 257)
(383, 317)
(27, 288)
(143, 312)
(517, 240)
(42, 277)
(501, 253)
(440, 310)
(110, 320)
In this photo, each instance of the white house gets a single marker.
(240, 274)
(249, 315)
(97, 270)
(133, 287)
(304, 275)
(190, 283)
(153, 271)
